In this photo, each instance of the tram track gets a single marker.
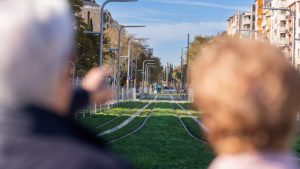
(184, 125)
(137, 129)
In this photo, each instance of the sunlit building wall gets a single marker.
(266, 24)
(295, 6)
(234, 24)
(279, 27)
(246, 25)
(259, 12)
(91, 15)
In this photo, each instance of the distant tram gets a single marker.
(157, 88)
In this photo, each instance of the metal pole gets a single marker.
(114, 73)
(147, 71)
(129, 58)
(181, 75)
(102, 29)
(143, 78)
(187, 55)
(102, 24)
(128, 63)
(119, 56)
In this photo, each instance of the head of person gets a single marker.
(249, 96)
(35, 49)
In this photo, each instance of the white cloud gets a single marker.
(167, 39)
(161, 33)
(203, 4)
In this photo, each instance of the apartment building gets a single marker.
(266, 22)
(246, 25)
(234, 24)
(279, 27)
(259, 13)
(294, 5)
(91, 15)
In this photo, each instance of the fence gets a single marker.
(125, 95)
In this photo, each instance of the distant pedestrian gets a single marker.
(249, 94)
(36, 97)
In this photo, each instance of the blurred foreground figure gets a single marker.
(35, 93)
(249, 95)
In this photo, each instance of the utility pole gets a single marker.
(187, 58)
(181, 76)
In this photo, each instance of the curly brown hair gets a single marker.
(248, 93)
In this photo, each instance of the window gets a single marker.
(282, 23)
(282, 35)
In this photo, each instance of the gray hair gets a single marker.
(36, 39)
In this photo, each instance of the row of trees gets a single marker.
(177, 76)
(87, 50)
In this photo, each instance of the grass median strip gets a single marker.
(163, 143)
(136, 123)
(125, 109)
(297, 147)
(119, 120)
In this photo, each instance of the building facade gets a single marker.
(259, 13)
(234, 24)
(91, 15)
(274, 26)
(279, 27)
(294, 5)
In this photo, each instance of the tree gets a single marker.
(87, 49)
(197, 45)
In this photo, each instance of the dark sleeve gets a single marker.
(80, 99)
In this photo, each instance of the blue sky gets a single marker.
(169, 21)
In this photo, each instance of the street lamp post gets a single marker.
(102, 23)
(146, 73)
(129, 59)
(292, 13)
(114, 62)
(119, 54)
(136, 68)
(143, 78)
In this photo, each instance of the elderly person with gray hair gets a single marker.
(35, 94)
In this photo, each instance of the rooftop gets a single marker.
(90, 3)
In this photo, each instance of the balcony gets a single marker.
(246, 21)
(281, 4)
(282, 17)
(281, 42)
(282, 29)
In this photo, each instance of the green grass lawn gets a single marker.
(163, 143)
(124, 110)
(138, 121)
(297, 147)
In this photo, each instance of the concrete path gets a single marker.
(125, 123)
